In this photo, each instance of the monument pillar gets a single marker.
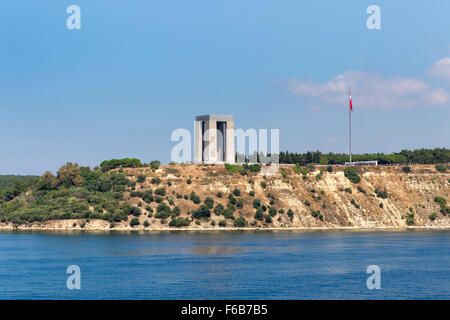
(214, 139)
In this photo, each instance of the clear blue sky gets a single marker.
(137, 70)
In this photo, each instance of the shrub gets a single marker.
(443, 204)
(162, 215)
(240, 222)
(300, 170)
(348, 190)
(352, 175)
(135, 211)
(268, 219)
(330, 169)
(228, 214)
(218, 210)
(252, 193)
(406, 169)
(179, 222)
(381, 194)
(263, 185)
(202, 213)
(196, 199)
(290, 214)
(233, 168)
(232, 199)
(272, 211)
(163, 211)
(440, 200)
(141, 178)
(381, 205)
(134, 222)
(146, 223)
(209, 202)
(160, 191)
(440, 168)
(259, 215)
(237, 192)
(222, 223)
(317, 214)
(155, 164)
(219, 195)
(432, 216)
(254, 167)
(176, 211)
(240, 204)
(256, 203)
(360, 189)
(307, 203)
(231, 207)
(188, 181)
(155, 180)
(353, 202)
(318, 176)
(410, 219)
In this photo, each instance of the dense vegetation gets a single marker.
(420, 156)
(11, 186)
(7, 181)
(68, 195)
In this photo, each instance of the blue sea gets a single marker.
(225, 265)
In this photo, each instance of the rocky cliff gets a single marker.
(385, 197)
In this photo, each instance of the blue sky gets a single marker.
(137, 70)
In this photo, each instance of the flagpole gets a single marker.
(350, 132)
(350, 127)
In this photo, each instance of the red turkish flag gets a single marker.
(351, 106)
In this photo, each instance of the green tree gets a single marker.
(209, 202)
(202, 213)
(240, 222)
(69, 175)
(352, 175)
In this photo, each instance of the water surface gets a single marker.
(226, 265)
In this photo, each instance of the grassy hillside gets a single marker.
(208, 197)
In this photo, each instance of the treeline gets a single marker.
(12, 186)
(68, 195)
(419, 156)
(7, 181)
(127, 163)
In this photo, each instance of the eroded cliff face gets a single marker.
(318, 199)
(330, 196)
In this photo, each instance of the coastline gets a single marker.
(9, 227)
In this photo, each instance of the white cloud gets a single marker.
(441, 69)
(369, 89)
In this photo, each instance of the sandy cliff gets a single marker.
(319, 199)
